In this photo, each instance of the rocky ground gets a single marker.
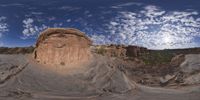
(104, 78)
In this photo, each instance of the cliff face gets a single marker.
(62, 47)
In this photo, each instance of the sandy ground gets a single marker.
(21, 78)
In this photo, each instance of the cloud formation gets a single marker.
(14, 4)
(150, 26)
(126, 4)
(153, 27)
(30, 29)
(68, 8)
(3, 25)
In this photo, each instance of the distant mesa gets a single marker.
(59, 46)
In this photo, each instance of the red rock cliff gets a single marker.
(58, 46)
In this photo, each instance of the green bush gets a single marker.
(101, 50)
(156, 57)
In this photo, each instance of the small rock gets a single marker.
(166, 79)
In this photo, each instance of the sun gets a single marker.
(167, 40)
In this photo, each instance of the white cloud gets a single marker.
(154, 28)
(152, 11)
(37, 13)
(68, 20)
(30, 29)
(14, 4)
(90, 15)
(126, 4)
(100, 39)
(3, 25)
(113, 23)
(58, 25)
(68, 8)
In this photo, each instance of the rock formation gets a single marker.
(135, 51)
(111, 50)
(191, 63)
(120, 50)
(58, 46)
(177, 60)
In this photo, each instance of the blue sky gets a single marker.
(155, 24)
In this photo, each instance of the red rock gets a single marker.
(58, 46)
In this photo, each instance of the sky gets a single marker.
(155, 24)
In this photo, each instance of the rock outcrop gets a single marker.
(191, 63)
(58, 46)
(111, 50)
(177, 60)
(135, 51)
(120, 50)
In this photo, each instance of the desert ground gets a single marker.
(24, 79)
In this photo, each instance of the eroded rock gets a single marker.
(177, 60)
(191, 63)
(58, 46)
(194, 79)
(166, 79)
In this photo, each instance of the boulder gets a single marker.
(177, 60)
(166, 79)
(191, 63)
(59, 46)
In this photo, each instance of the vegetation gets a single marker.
(16, 50)
(157, 57)
(100, 50)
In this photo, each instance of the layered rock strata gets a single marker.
(58, 46)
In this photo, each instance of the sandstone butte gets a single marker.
(66, 47)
